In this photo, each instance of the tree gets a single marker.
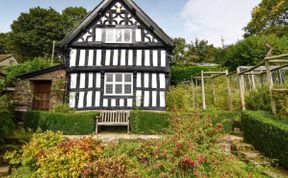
(252, 50)
(72, 16)
(33, 32)
(179, 50)
(3, 43)
(202, 51)
(269, 17)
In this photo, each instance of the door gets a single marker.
(41, 99)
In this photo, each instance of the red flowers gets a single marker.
(188, 162)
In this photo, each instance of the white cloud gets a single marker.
(211, 19)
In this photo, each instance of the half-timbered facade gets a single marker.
(117, 59)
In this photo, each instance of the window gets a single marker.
(118, 84)
(117, 35)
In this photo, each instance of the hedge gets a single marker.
(184, 73)
(267, 133)
(68, 123)
(7, 124)
(144, 122)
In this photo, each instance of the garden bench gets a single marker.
(113, 118)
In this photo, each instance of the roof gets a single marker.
(5, 56)
(41, 72)
(132, 7)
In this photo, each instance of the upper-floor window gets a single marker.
(118, 35)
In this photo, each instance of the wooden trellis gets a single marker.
(212, 75)
(261, 69)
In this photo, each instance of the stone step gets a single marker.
(4, 171)
(233, 138)
(278, 173)
(224, 146)
(241, 147)
(250, 154)
(259, 162)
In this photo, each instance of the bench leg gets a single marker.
(96, 127)
(128, 129)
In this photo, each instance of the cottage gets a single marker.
(117, 59)
(7, 59)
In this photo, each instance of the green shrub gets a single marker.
(149, 122)
(29, 66)
(267, 133)
(62, 108)
(258, 99)
(68, 123)
(7, 124)
(2, 85)
(184, 73)
(5, 103)
(228, 119)
(179, 98)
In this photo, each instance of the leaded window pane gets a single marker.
(128, 77)
(110, 35)
(109, 77)
(127, 35)
(119, 78)
(128, 89)
(119, 35)
(109, 89)
(118, 89)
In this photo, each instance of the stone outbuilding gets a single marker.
(7, 59)
(40, 90)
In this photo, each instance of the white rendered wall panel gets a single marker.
(163, 58)
(138, 98)
(98, 80)
(98, 34)
(146, 98)
(82, 57)
(73, 81)
(130, 102)
(155, 58)
(98, 57)
(89, 99)
(146, 80)
(121, 102)
(139, 58)
(97, 98)
(108, 57)
(81, 100)
(154, 80)
(162, 81)
(154, 98)
(105, 102)
(123, 57)
(73, 55)
(91, 57)
(138, 35)
(72, 99)
(162, 99)
(115, 58)
(90, 82)
(138, 80)
(82, 80)
(113, 102)
(130, 57)
(147, 58)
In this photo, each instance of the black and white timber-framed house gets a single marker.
(117, 59)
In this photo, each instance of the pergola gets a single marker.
(261, 69)
(212, 75)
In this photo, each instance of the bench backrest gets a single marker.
(114, 117)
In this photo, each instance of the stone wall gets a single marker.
(24, 89)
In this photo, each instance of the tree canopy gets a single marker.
(34, 31)
(269, 17)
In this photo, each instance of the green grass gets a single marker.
(143, 122)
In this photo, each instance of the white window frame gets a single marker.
(115, 33)
(114, 83)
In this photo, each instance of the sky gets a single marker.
(190, 19)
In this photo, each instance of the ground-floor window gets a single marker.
(118, 84)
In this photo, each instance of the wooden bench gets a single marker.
(113, 118)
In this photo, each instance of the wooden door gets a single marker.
(41, 99)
